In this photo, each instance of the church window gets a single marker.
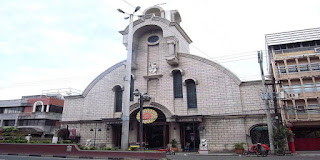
(153, 39)
(177, 84)
(191, 93)
(131, 89)
(118, 98)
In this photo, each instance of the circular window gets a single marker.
(153, 39)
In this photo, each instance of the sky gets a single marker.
(46, 44)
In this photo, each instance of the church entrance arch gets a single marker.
(155, 133)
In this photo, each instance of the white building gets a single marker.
(194, 98)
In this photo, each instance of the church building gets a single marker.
(192, 98)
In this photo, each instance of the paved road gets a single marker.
(194, 157)
(180, 157)
(11, 157)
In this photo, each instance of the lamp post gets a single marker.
(95, 134)
(142, 98)
(125, 109)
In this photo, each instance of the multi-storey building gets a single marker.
(192, 98)
(36, 115)
(295, 61)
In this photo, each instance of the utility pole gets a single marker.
(266, 102)
(126, 97)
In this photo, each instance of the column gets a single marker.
(42, 108)
(48, 108)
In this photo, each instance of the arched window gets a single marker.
(177, 84)
(191, 93)
(118, 98)
(131, 89)
(259, 134)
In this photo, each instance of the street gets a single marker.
(179, 157)
(197, 157)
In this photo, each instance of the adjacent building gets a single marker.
(192, 98)
(295, 60)
(38, 115)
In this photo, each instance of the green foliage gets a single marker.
(41, 141)
(15, 141)
(7, 141)
(21, 141)
(280, 136)
(133, 148)
(92, 148)
(9, 131)
(174, 143)
(66, 141)
(46, 141)
(82, 147)
(238, 145)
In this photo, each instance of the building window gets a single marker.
(308, 87)
(290, 110)
(313, 109)
(301, 110)
(315, 66)
(13, 110)
(131, 89)
(191, 93)
(9, 122)
(177, 84)
(303, 67)
(282, 70)
(118, 98)
(292, 68)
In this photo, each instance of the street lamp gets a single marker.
(142, 98)
(95, 134)
(125, 110)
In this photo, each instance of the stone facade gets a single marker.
(226, 107)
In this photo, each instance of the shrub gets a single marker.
(92, 148)
(66, 141)
(238, 145)
(45, 141)
(133, 148)
(7, 141)
(21, 141)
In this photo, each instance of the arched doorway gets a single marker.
(156, 134)
(259, 134)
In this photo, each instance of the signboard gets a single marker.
(148, 116)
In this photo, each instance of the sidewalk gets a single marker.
(307, 153)
(299, 153)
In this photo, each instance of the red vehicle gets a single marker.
(258, 149)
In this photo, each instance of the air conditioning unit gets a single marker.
(282, 95)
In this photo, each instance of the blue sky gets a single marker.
(47, 44)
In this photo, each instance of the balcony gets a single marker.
(297, 71)
(296, 51)
(41, 115)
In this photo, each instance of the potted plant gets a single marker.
(238, 147)
(174, 144)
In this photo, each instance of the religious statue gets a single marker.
(203, 144)
(153, 68)
(88, 143)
